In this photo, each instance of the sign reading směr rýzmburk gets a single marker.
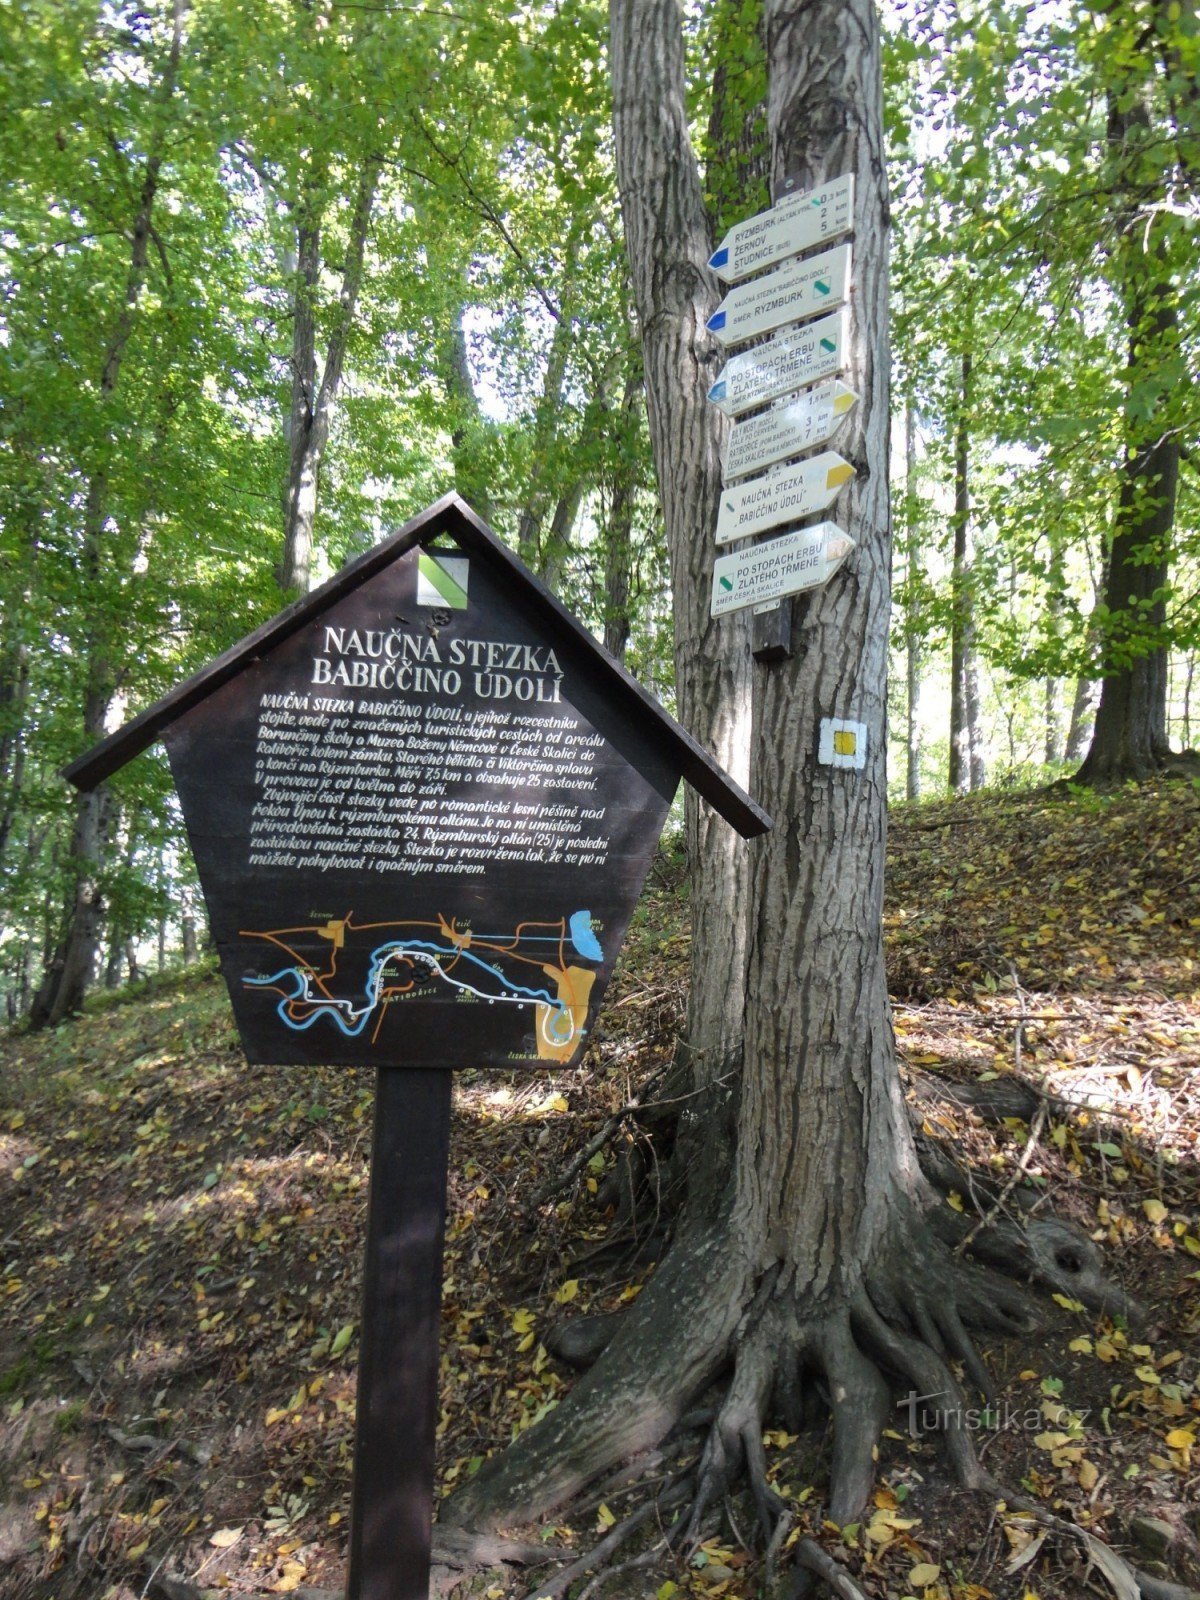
(800, 289)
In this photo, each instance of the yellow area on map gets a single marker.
(557, 1039)
(334, 931)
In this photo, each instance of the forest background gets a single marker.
(275, 276)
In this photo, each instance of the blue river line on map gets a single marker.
(307, 998)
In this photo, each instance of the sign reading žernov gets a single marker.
(423, 814)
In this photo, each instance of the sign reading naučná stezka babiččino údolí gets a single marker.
(422, 814)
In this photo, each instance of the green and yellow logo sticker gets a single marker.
(442, 581)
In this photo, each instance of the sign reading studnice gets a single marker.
(794, 224)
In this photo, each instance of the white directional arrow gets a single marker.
(815, 350)
(811, 485)
(799, 289)
(797, 424)
(801, 560)
(793, 225)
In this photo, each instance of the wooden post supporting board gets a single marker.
(392, 1500)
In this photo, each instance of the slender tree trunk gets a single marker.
(557, 546)
(540, 489)
(467, 426)
(187, 928)
(1129, 739)
(912, 612)
(14, 696)
(1052, 689)
(618, 532)
(71, 966)
(967, 767)
(313, 406)
(665, 220)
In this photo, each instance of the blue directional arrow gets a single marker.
(716, 321)
(719, 258)
(718, 391)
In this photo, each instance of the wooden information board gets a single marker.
(422, 803)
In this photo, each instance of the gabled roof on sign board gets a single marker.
(450, 515)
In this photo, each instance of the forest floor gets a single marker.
(180, 1244)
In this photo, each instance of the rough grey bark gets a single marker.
(314, 400)
(967, 767)
(70, 968)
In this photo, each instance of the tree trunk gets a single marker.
(1083, 711)
(967, 767)
(665, 222)
(14, 695)
(466, 421)
(912, 611)
(1052, 690)
(540, 489)
(71, 966)
(1129, 740)
(187, 926)
(313, 407)
(820, 1255)
(618, 532)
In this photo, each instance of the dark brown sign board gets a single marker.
(422, 802)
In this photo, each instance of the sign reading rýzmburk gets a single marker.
(422, 802)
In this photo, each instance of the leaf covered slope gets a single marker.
(179, 1293)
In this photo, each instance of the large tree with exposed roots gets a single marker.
(826, 1261)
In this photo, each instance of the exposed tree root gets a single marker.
(906, 1324)
(813, 1562)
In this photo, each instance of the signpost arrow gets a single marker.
(799, 289)
(816, 350)
(793, 492)
(801, 560)
(796, 424)
(793, 225)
